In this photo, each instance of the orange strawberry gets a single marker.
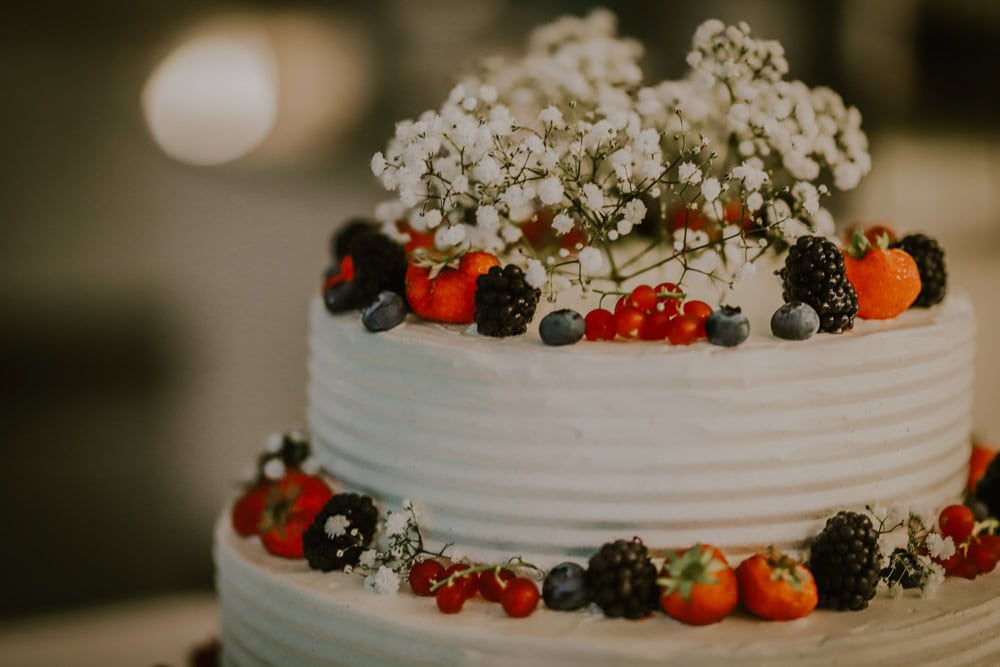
(697, 586)
(444, 289)
(872, 232)
(775, 587)
(886, 280)
(981, 457)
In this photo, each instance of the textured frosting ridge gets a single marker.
(511, 447)
(278, 612)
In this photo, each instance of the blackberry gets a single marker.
(622, 580)
(844, 560)
(340, 242)
(505, 303)
(330, 543)
(814, 274)
(379, 265)
(930, 262)
(988, 487)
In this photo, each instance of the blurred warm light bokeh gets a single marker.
(171, 176)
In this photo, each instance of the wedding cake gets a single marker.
(788, 448)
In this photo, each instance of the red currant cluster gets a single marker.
(651, 313)
(459, 582)
(975, 554)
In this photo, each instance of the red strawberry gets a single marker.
(539, 232)
(886, 280)
(291, 505)
(345, 273)
(248, 510)
(697, 586)
(417, 240)
(447, 294)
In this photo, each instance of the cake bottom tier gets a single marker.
(277, 613)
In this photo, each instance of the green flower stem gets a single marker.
(511, 564)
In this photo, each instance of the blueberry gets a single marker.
(795, 321)
(341, 297)
(562, 327)
(727, 327)
(565, 588)
(387, 311)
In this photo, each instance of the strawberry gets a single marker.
(539, 232)
(886, 280)
(981, 457)
(697, 586)
(248, 510)
(291, 504)
(775, 587)
(344, 274)
(444, 289)
(417, 241)
(872, 232)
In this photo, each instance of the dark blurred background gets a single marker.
(171, 173)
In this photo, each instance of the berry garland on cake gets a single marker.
(855, 556)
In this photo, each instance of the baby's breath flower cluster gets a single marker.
(723, 164)
(910, 561)
(401, 546)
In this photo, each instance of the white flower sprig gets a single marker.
(726, 163)
(387, 566)
(911, 562)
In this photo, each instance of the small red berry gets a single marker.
(984, 551)
(683, 330)
(424, 575)
(492, 583)
(951, 563)
(600, 324)
(697, 309)
(469, 583)
(450, 598)
(520, 597)
(957, 522)
(643, 298)
(664, 289)
(966, 568)
(621, 303)
(654, 327)
(628, 322)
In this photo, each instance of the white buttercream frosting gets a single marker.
(512, 447)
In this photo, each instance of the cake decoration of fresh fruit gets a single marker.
(776, 587)
(697, 586)
(886, 280)
(814, 274)
(845, 561)
(854, 557)
(590, 186)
